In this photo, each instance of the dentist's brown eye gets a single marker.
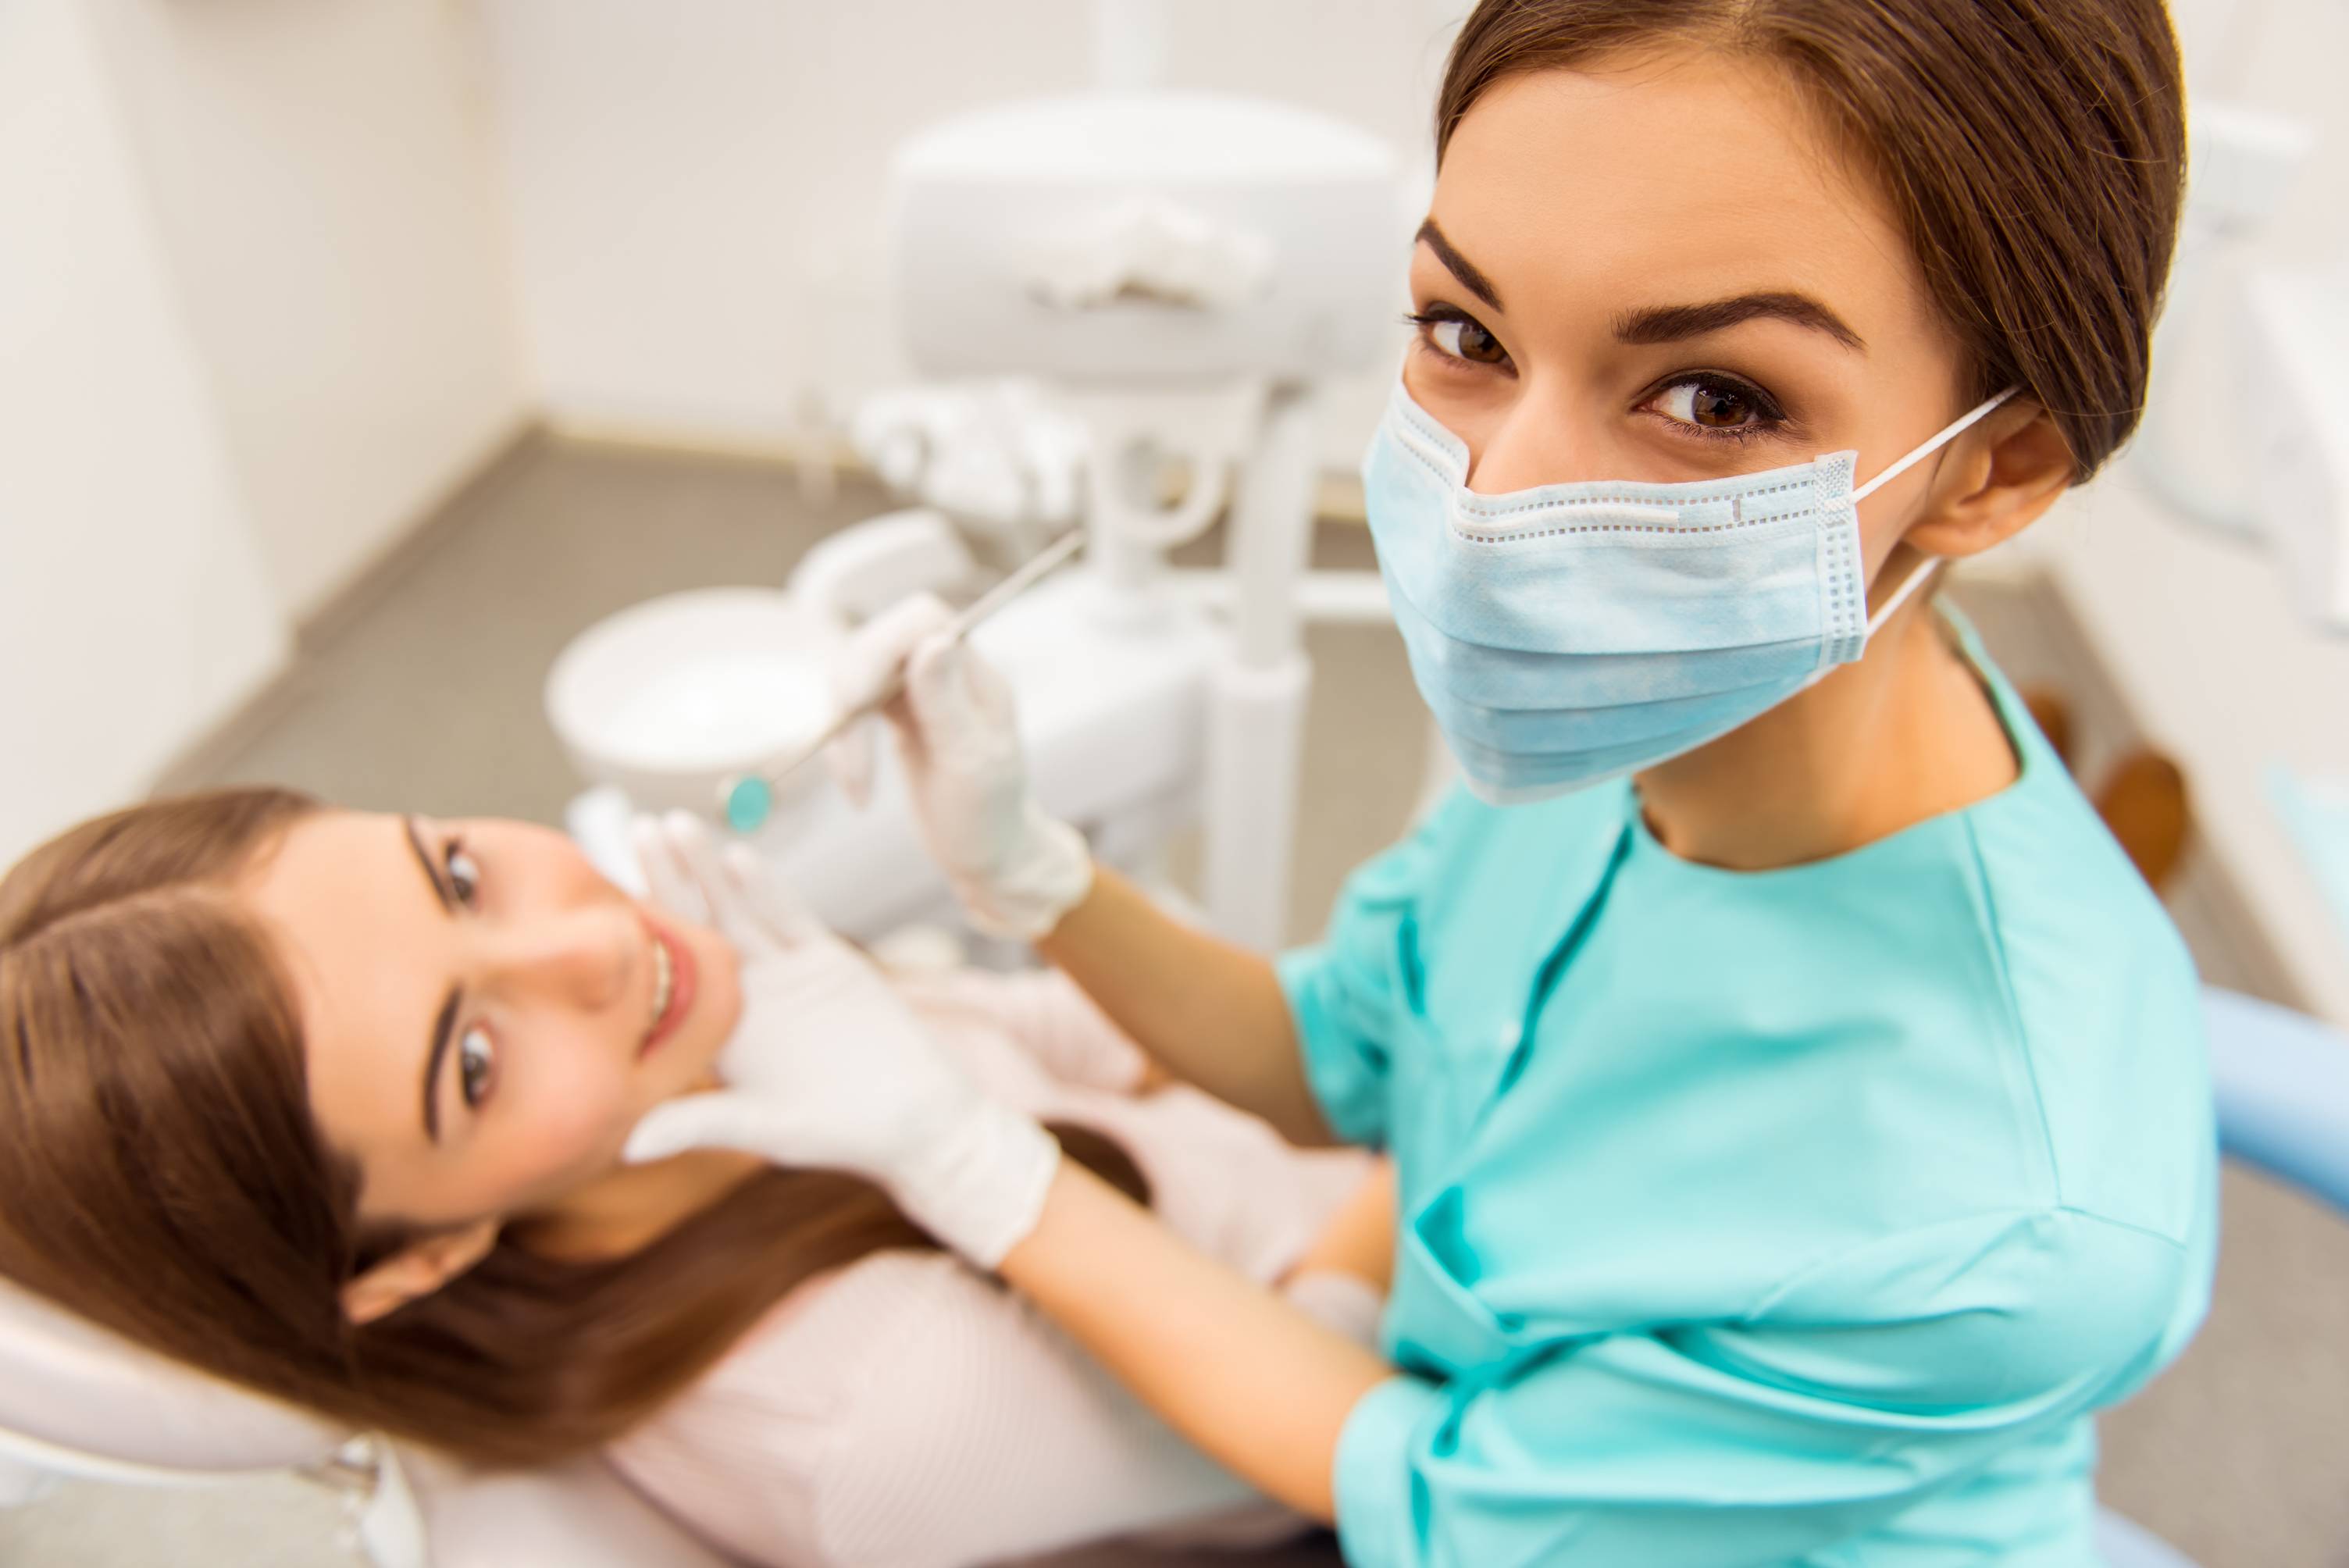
(1721, 407)
(1716, 406)
(1456, 336)
(1466, 340)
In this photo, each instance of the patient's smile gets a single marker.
(676, 980)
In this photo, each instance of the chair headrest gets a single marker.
(64, 1381)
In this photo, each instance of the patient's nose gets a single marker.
(584, 958)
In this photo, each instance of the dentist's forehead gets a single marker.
(1666, 180)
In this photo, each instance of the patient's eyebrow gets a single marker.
(1471, 276)
(424, 862)
(1670, 323)
(444, 1027)
(445, 1024)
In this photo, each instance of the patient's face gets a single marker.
(483, 1011)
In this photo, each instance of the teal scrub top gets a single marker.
(1798, 1216)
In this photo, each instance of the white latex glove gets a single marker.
(829, 1067)
(1015, 869)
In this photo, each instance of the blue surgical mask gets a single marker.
(1575, 633)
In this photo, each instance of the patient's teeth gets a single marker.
(664, 979)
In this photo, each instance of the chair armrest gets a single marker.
(2281, 1082)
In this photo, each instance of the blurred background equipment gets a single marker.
(1170, 277)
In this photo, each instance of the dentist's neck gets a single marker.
(1906, 734)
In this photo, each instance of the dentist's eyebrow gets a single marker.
(1670, 323)
(445, 1025)
(1470, 277)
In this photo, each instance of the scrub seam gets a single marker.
(2115, 1221)
(1768, 1300)
(2018, 1034)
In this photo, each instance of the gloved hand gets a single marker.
(1043, 1014)
(828, 1068)
(1015, 869)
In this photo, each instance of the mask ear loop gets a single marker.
(1934, 443)
(1901, 595)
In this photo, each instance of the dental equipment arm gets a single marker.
(1211, 1012)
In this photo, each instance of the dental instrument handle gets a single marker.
(987, 605)
(748, 800)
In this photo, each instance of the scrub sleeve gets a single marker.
(1340, 996)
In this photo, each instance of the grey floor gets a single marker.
(427, 700)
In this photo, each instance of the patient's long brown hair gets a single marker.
(160, 1174)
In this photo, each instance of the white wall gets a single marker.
(321, 182)
(696, 190)
(256, 320)
(133, 603)
(2282, 55)
(2200, 628)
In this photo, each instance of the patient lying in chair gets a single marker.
(331, 1104)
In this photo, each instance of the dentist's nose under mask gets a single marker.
(1574, 632)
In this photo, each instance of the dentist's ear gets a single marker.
(417, 1271)
(2001, 479)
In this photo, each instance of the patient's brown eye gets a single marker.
(477, 1061)
(465, 873)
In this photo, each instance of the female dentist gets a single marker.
(1797, 1100)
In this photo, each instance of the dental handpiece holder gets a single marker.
(1179, 270)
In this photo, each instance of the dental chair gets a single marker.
(2281, 1083)
(79, 1403)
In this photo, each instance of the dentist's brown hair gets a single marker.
(160, 1174)
(2034, 150)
